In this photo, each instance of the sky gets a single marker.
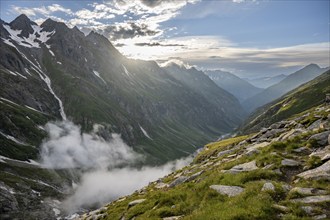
(249, 38)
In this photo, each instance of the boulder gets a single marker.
(227, 190)
(243, 167)
(291, 134)
(268, 187)
(324, 153)
(315, 125)
(319, 217)
(321, 172)
(135, 202)
(177, 181)
(308, 209)
(321, 138)
(290, 163)
(308, 191)
(281, 208)
(312, 199)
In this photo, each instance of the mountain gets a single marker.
(304, 97)
(59, 73)
(55, 73)
(240, 88)
(281, 172)
(265, 82)
(290, 82)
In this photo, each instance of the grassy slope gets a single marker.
(195, 200)
(304, 97)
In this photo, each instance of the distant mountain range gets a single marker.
(53, 72)
(306, 96)
(292, 81)
(240, 88)
(265, 82)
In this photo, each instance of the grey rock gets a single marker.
(312, 199)
(271, 133)
(291, 134)
(161, 185)
(243, 167)
(173, 217)
(194, 176)
(177, 181)
(321, 172)
(308, 191)
(221, 153)
(324, 153)
(290, 163)
(135, 202)
(315, 125)
(227, 190)
(319, 217)
(301, 150)
(321, 138)
(308, 209)
(268, 187)
(281, 208)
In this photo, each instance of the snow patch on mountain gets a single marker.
(32, 41)
(99, 76)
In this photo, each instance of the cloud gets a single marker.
(67, 148)
(128, 30)
(154, 44)
(102, 186)
(105, 164)
(43, 10)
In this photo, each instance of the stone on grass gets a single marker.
(308, 191)
(324, 153)
(227, 190)
(312, 199)
(268, 187)
(177, 181)
(319, 173)
(243, 167)
(321, 138)
(290, 163)
(135, 202)
(281, 208)
(173, 217)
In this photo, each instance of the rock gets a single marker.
(312, 199)
(253, 149)
(271, 133)
(227, 190)
(321, 138)
(243, 167)
(221, 153)
(173, 217)
(315, 125)
(321, 172)
(308, 191)
(324, 153)
(286, 187)
(281, 208)
(308, 209)
(301, 150)
(291, 134)
(177, 181)
(268, 187)
(161, 185)
(194, 176)
(319, 217)
(135, 202)
(290, 163)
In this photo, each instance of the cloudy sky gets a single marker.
(246, 37)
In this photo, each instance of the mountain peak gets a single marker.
(49, 25)
(312, 65)
(23, 23)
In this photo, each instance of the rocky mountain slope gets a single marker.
(298, 100)
(281, 172)
(240, 88)
(291, 82)
(54, 72)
